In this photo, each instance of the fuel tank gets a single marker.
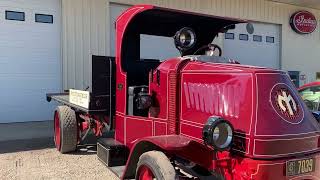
(269, 118)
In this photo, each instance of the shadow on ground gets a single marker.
(87, 147)
(43, 143)
(25, 145)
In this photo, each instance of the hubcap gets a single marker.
(57, 137)
(145, 173)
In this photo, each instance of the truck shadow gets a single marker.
(89, 144)
(85, 149)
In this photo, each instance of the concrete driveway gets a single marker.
(37, 159)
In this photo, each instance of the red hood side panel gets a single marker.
(226, 94)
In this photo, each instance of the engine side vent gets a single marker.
(172, 116)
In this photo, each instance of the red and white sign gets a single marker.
(80, 98)
(303, 22)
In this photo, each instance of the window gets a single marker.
(229, 35)
(44, 18)
(269, 39)
(311, 96)
(243, 37)
(257, 38)
(14, 15)
(318, 76)
(162, 47)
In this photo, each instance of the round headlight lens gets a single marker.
(218, 133)
(222, 135)
(185, 39)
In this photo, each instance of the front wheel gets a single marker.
(155, 165)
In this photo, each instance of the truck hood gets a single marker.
(268, 115)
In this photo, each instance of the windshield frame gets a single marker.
(312, 100)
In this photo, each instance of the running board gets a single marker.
(112, 154)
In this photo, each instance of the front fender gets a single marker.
(172, 145)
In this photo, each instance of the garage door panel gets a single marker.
(16, 99)
(24, 33)
(257, 52)
(30, 62)
(35, 68)
(23, 83)
(34, 55)
(44, 5)
(25, 113)
(19, 107)
(19, 101)
(29, 43)
(35, 42)
(18, 58)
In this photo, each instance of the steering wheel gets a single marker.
(211, 48)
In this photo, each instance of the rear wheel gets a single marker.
(155, 165)
(65, 129)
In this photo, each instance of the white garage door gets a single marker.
(262, 48)
(151, 47)
(30, 63)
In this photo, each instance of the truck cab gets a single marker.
(196, 116)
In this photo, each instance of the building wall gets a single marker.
(86, 25)
(84, 33)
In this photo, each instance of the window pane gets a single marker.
(157, 47)
(229, 36)
(243, 37)
(318, 76)
(311, 96)
(14, 15)
(270, 39)
(44, 18)
(257, 38)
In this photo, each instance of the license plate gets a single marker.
(301, 166)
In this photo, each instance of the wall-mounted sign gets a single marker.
(303, 22)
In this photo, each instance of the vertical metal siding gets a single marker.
(84, 33)
(86, 26)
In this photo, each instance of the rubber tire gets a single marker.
(68, 129)
(159, 164)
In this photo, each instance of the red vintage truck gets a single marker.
(197, 116)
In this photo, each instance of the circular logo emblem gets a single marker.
(286, 104)
(303, 22)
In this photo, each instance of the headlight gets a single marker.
(218, 133)
(185, 39)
